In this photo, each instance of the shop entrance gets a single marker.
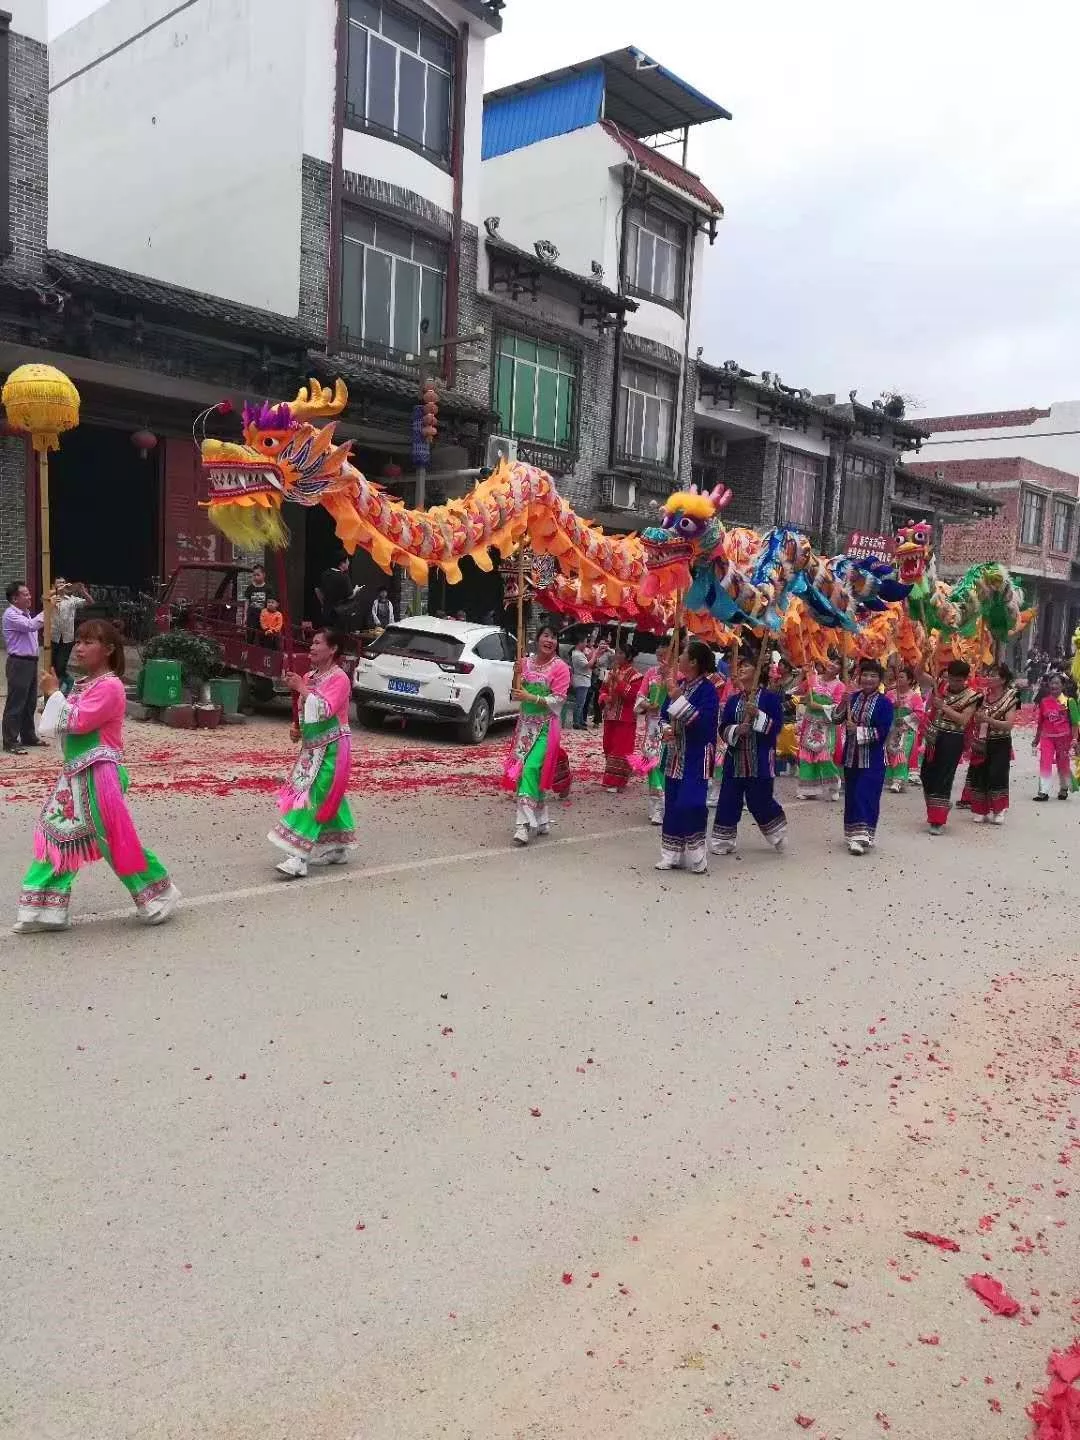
(104, 513)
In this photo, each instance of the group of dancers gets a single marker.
(852, 741)
(697, 725)
(86, 818)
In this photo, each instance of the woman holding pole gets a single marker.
(541, 686)
(688, 717)
(617, 697)
(750, 724)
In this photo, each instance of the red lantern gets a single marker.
(144, 441)
(391, 470)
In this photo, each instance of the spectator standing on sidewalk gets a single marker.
(66, 601)
(21, 631)
(581, 663)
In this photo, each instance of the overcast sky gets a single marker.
(900, 182)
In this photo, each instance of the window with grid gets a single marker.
(1061, 520)
(399, 73)
(646, 414)
(1032, 518)
(655, 253)
(862, 495)
(800, 481)
(535, 386)
(392, 280)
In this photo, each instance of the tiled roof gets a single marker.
(659, 165)
(588, 283)
(88, 277)
(984, 420)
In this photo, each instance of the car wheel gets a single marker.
(479, 722)
(369, 717)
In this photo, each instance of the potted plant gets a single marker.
(200, 660)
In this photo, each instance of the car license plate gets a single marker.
(403, 687)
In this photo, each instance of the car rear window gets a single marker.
(421, 644)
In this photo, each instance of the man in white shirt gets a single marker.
(67, 600)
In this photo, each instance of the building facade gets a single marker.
(796, 459)
(335, 233)
(1035, 533)
(594, 239)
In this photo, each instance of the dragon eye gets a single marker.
(687, 525)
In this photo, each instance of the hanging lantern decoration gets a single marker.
(429, 401)
(144, 441)
(392, 471)
(42, 401)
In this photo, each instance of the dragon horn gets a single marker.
(720, 497)
(315, 401)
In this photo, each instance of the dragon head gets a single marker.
(689, 530)
(284, 456)
(914, 544)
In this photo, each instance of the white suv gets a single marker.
(437, 670)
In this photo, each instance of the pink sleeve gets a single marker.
(560, 679)
(336, 691)
(102, 702)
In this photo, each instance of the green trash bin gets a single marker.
(225, 691)
(160, 683)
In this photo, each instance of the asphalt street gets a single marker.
(273, 1169)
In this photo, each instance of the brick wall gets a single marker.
(315, 244)
(743, 473)
(14, 460)
(29, 91)
(999, 470)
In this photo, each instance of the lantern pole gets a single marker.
(46, 558)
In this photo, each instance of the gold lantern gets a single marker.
(42, 401)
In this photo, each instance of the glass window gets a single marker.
(862, 493)
(489, 648)
(1032, 518)
(397, 640)
(800, 482)
(655, 253)
(646, 414)
(391, 281)
(1062, 525)
(534, 390)
(399, 76)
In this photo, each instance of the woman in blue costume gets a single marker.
(750, 725)
(688, 719)
(867, 717)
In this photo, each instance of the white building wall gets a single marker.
(366, 154)
(562, 190)
(1042, 441)
(178, 155)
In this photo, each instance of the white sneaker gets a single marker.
(834, 794)
(896, 788)
(804, 795)
(521, 834)
(39, 925)
(701, 867)
(978, 819)
(998, 819)
(336, 855)
(293, 867)
(156, 912)
(720, 847)
(856, 847)
(667, 862)
(778, 844)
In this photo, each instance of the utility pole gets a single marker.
(425, 416)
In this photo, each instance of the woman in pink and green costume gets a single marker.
(315, 822)
(86, 817)
(534, 751)
(652, 695)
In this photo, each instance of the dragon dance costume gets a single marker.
(315, 821)
(617, 696)
(991, 758)
(749, 771)
(819, 740)
(532, 763)
(864, 767)
(85, 817)
(943, 753)
(909, 710)
(651, 763)
(689, 723)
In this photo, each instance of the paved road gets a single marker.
(269, 1170)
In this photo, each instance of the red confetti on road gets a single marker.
(993, 1295)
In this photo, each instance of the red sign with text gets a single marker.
(860, 545)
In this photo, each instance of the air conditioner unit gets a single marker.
(623, 494)
(500, 447)
(715, 446)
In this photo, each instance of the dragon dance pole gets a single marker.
(520, 611)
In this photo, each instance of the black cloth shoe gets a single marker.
(14, 750)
